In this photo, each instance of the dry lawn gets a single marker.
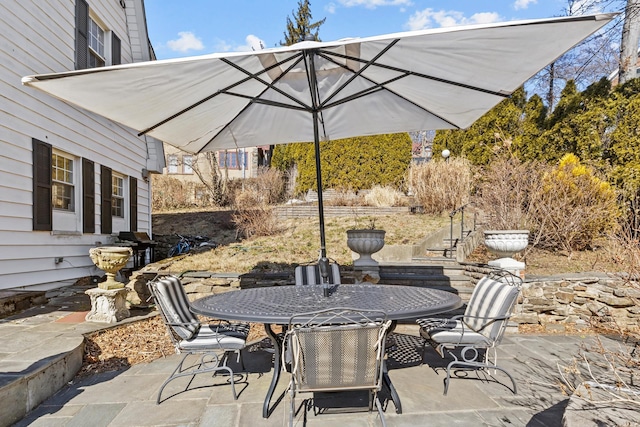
(297, 242)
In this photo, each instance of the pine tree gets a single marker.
(301, 28)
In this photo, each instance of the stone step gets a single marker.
(13, 302)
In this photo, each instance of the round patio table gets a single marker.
(275, 305)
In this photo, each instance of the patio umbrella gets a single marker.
(442, 78)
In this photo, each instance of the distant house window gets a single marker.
(96, 45)
(63, 194)
(172, 163)
(187, 164)
(117, 196)
(232, 159)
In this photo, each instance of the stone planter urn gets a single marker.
(110, 259)
(505, 244)
(365, 243)
(108, 300)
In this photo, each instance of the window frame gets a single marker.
(100, 58)
(63, 176)
(187, 164)
(118, 204)
(172, 164)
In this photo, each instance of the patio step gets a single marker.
(13, 302)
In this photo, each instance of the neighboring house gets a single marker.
(232, 164)
(613, 77)
(70, 180)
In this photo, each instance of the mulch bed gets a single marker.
(142, 341)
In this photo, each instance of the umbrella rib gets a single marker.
(219, 92)
(268, 85)
(357, 73)
(257, 99)
(381, 86)
(423, 76)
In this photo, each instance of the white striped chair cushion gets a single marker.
(209, 336)
(173, 301)
(310, 274)
(490, 299)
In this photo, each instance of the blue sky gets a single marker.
(197, 27)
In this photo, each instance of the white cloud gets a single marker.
(330, 8)
(185, 43)
(372, 4)
(254, 43)
(523, 4)
(251, 43)
(429, 18)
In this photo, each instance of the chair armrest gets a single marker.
(488, 321)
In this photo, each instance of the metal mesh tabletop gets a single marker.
(276, 305)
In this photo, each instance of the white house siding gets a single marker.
(38, 36)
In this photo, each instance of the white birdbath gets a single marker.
(108, 300)
(366, 242)
(505, 244)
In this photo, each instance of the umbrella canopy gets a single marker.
(433, 79)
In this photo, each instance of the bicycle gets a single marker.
(182, 247)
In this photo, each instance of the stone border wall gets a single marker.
(580, 300)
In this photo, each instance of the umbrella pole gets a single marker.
(323, 262)
(323, 248)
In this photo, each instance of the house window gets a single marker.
(172, 163)
(187, 164)
(232, 159)
(117, 196)
(96, 45)
(63, 194)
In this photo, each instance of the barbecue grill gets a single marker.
(139, 242)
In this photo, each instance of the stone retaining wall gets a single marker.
(579, 300)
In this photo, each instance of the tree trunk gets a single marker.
(629, 44)
(550, 93)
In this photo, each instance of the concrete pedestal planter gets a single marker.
(505, 244)
(110, 259)
(365, 242)
(108, 300)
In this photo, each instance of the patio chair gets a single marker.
(336, 350)
(309, 274)
(190, 336)
(478, 332)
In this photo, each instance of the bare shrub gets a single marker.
(342, 197)
(271, 184)
(253, 216)
(504, 193)
(384, 197)
(605, 375)
(268, 188)
(170, 193)
(205, 166)
(440, 186)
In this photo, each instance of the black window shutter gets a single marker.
(133, 203)
(106, 191)
(115, 50)
(82, 32)
(88, 196)
(42, 186)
